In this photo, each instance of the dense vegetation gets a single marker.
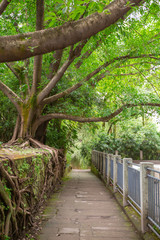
(128, 138)
(93, 80)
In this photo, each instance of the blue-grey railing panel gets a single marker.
(97, 160)
(134, 185)
(111, 161)
(154, 200)
(120, 175)
(100, 157)
(106, 164)
(102, 163)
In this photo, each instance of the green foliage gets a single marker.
(6, 238)
(131, 137)
(7, 119)
(61, 134)
(7, 190)
(23, 168)
(138, 137)
(37, 161)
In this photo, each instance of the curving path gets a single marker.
(85, 210)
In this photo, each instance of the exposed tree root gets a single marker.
(24, 186)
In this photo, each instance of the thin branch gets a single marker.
(156, 58)
(12, 70)
(127, 74)
(14, 98)
(139, 63)
(87, 54)
(147, 81)
(152, 39)
(3, 5)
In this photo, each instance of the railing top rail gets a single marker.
(98, 151)
(119, 161)
(153, 177)
(138, 170)
(135, 164)
(153, 170)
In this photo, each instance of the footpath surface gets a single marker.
(85, 210)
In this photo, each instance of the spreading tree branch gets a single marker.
(88, 77)
(26, 45)
(51, 116)
(147, 81)
(12, 70)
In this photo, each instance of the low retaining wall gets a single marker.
(25, 183)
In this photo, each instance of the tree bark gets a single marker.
(38, 59)
(14, 98)
(3, 5)
(21, 46)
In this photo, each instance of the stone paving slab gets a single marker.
(85, 210)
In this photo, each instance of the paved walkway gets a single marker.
(85, 210)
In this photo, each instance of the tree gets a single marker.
(62, 84)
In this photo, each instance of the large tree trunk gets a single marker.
(24, 127)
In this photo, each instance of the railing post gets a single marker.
(98, 161)
(100, 169)
(115, 159)
(104, 165)
(114, 173)
(109, 168)
(116, 152)
(101, 163)
(92, 157)
(141, 155)
(144, 194)
(125, 180)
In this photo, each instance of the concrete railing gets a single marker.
(137, 183)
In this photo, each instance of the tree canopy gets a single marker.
(88, 77)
